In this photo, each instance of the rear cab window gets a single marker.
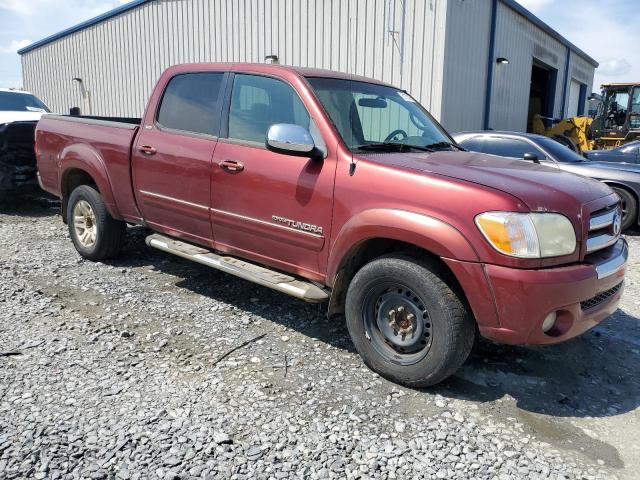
(508, 147)
(474, 144)
(191, 103)
(258, 102)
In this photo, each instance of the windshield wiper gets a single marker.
(444, 144)
(389, 146)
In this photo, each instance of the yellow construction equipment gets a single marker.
(573, 132)
(616, 122)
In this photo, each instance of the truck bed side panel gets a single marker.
(102, 148)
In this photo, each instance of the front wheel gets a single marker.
(94, 232)
(406, 323)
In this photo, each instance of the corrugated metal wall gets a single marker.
(520, 41)
(119, 60)
(465, 66)
(581, 71)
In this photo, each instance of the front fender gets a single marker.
(429, 233)
(84, 157)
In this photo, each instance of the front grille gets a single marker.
(600, 298)
(604, 228)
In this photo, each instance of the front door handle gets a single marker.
(147, 149)
(231, 166)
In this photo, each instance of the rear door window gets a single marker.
(259, 102)
(191, 103)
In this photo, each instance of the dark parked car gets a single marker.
(629, 153)
(623, 178)
(19, 113)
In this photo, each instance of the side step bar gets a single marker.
(262, 276)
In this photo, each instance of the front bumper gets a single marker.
(582, 295)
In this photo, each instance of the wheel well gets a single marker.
(72, 180)
(370, 249)
(625, 188)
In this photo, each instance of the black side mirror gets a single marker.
(532, 157)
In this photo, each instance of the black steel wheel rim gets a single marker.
(397, 323)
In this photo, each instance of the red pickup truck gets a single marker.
(331, 187)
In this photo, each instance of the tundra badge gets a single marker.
(307, 227)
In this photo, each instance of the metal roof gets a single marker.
(136, 3)
(81, 26)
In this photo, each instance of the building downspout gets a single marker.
(563, 112)
(490, 64)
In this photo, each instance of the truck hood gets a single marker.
(8, 117)
(537, 186)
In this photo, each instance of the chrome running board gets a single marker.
(282, 282)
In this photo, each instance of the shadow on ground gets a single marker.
(593, 375)
(30, 205)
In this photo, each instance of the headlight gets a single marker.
(528, 235)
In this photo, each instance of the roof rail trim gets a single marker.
(86, 24)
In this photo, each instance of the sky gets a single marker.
(23, 22)
(605, 29)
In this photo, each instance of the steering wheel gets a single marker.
(395, 133)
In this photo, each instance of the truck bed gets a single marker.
(128, 120)
(107, 141)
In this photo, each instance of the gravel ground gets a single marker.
(116, 375)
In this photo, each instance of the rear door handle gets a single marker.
(147, 149)
(231, 165)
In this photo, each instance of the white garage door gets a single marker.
(574, 99)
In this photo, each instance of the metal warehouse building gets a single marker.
(473, 63)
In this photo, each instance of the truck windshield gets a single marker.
(21, 102)
(371, 117)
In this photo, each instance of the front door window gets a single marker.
(259, 102)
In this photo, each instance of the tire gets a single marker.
(429, 353)
(97, 236)
(629, 208)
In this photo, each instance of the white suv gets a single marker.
(16, 105)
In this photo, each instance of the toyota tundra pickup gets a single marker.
(341, 189)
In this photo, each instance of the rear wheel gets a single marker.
(406, 322)
(629, 208)
(94, 232)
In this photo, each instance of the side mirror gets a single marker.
(531, 157)
(290, 139)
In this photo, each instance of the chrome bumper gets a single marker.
(609, 263)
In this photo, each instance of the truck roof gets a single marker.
(303, 71)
